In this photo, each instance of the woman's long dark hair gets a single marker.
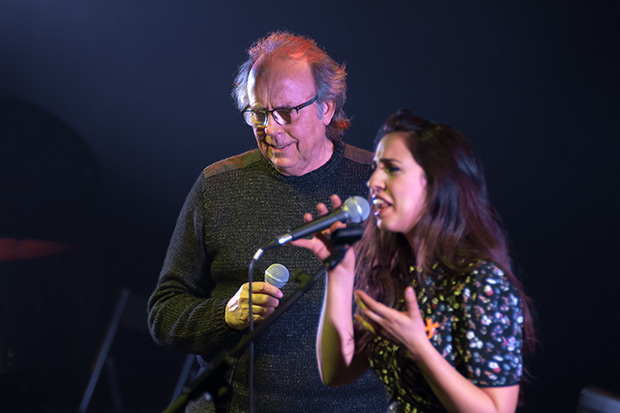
(458, 225)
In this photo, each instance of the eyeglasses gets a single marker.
(282, 116)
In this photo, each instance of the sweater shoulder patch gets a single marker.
(358, 154)
(233, 163)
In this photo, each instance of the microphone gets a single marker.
(355, 209)
(276, 275)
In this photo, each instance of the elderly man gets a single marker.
(291, 94)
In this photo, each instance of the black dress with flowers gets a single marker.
(475, 320)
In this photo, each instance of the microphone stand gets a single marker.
(213, 380)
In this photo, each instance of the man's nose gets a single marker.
(271, 126)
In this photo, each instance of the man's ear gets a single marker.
(329, 108)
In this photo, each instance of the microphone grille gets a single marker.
(358, 209)
(276, 275)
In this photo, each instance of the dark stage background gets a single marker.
(132, 100)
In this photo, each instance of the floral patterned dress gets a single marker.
(475, 320)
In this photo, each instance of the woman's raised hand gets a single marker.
(320, 243)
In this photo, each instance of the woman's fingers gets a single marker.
(366, 324)
(336, 202)
(320, 244)
(367, 303)
(411, 302)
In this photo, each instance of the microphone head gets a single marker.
(357, 208)
(276, 275)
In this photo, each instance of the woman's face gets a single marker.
(397, 186)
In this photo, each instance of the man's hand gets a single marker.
(265, 299)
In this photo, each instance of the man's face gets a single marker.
(301, 146)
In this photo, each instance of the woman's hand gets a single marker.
(405, 329)
(320, 243)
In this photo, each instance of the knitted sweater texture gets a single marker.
(235, 207)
